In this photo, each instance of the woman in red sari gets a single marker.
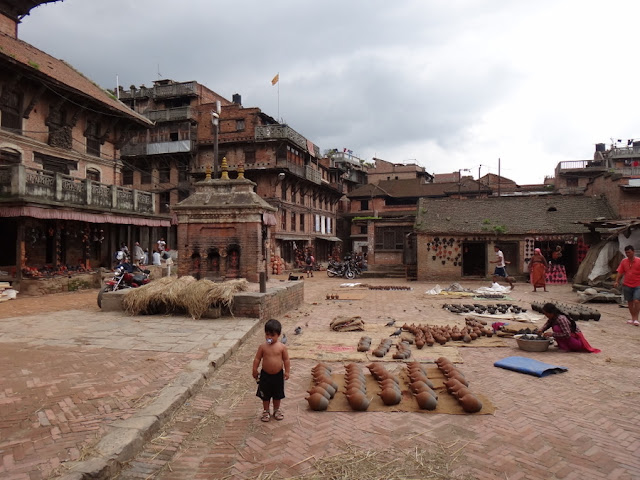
(538, 270)
(564, 331)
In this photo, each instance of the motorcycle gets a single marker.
(122, 279)
(347, 269)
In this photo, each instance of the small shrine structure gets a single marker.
(223, 229)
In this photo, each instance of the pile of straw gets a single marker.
(182, 295)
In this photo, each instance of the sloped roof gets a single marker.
(414, 187)
(39, 65)
(548, 214)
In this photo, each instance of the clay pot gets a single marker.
(358, 401)
(470, 403)
(418, 386)
(317, 402)
(426, 401)
(328, 387)
(390, 396)
(388, 382)
(320, 390)
(353, 390)
(353, 376)
(460, 378)
(321, 366)
(453, 384)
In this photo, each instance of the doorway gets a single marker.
(474, 259)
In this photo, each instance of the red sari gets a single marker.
(537, 269)
(566, 339)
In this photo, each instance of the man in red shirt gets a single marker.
(629, 268)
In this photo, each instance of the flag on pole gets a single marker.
(275, 79)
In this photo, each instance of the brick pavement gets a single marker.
(73, 377)
(580, 424)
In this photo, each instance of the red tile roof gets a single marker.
(23, 56)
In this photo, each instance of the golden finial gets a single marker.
(241, 172)
(225, 169)
(208, 172)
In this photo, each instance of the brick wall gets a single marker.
(272, 304)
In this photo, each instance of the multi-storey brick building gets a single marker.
(61, 204)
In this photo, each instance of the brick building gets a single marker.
(62, 207)
(455, 238)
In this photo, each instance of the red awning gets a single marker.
(62, 214)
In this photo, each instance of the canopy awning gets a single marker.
(62, 214)
(329, 239)
(286, 236)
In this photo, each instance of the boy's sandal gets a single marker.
(630, 322)
(636, 323)
(278, 415)
(266, 416)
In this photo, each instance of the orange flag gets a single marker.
(275, 79)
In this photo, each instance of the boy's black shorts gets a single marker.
(270, 386)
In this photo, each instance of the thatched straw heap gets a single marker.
(182, 294)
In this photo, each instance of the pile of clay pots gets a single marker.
(364, 344)
(458, 386)
(421, 386)
(492, 309)
(404, 351)
(390, 391)
(324, 387)
(388, 287)
(430, 334)
(574, 312)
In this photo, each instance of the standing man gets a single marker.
(162, 245)
(629, 268)
(500, 270)
(138, 254)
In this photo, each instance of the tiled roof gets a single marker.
(414, 187)
(549, 214)
(16, 54)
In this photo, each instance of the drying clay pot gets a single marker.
(358, 401)
(390, 396)
(317, 402)
(320, 390)
(470, 403)
(426, 401)
(329, 388)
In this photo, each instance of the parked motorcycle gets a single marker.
(122, 279)
(347, 269)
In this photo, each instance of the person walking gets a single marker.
(629, 268)
(500, 270)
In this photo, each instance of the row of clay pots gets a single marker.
(356, 388)
(404, 351)
(421, 386)
(390, 391)
(383, 348)
(364, 344)
(457, 385)
(574, 312)
(324, 387)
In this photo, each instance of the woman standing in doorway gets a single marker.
(538, 270)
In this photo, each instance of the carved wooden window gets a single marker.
(240, 125)
(249, 157)
(391, 238)
(283, 220)
(59, 130)
(293, 221)
(164, 171)
(302, 222)
(92, 134)
(10, 107)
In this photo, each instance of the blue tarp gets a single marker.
(529, 366)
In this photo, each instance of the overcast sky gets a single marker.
(449, 84)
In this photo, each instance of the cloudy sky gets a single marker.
(449, 84)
